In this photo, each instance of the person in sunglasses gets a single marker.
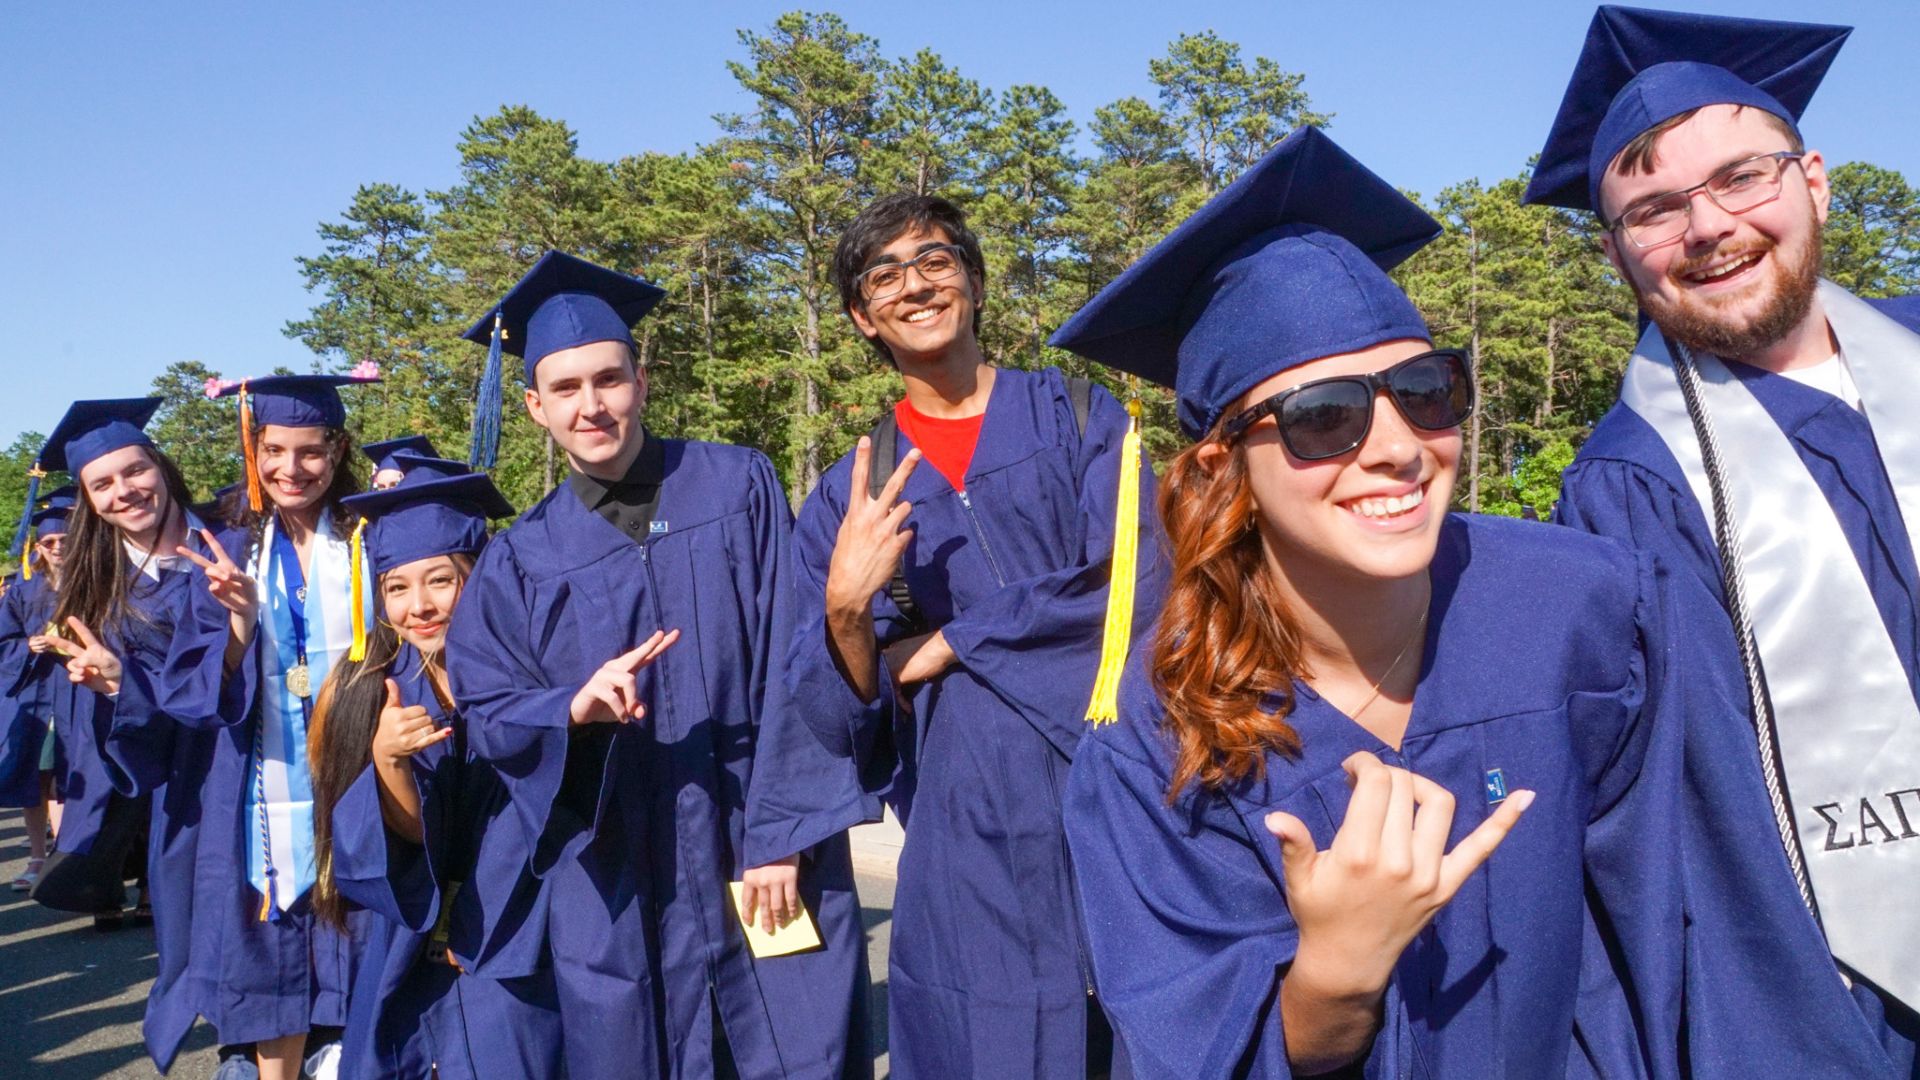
(1764, 447)
(952, 627)
(1387, 789)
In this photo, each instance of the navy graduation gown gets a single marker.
(987, 974)
(1544, 660)
(26, 689)
(410, 1013)
(184, 720)
(636, 829)
(1762, 993)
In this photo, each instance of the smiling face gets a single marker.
(419, 598)
(1375, 511)
(1732, 284)
(589, 398)
(925, 320)
(296, 465)
(51, 549)
(129, 492)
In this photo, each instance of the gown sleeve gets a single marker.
(1036, 642)
(174, 677)
(376, 869)
(844, 724)
(1189, 931)
(1627, 1018)
(519, 721)
(801, 791)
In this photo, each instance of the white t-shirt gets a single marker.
(1833, 376)
(155, 565)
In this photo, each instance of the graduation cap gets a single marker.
(562, 303)
(425, 515)
(382, 453)
(51, 516)
(296, 401)
(1287, 264)
(1640, 67)
(93, 429)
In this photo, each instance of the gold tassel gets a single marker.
(247, 452)
(1104, 708)
(357, 554)
(26, 560)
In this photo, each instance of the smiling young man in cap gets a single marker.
(618, 654)
(951, 635)
(1763, 448)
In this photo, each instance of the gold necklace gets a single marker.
(1419, 632)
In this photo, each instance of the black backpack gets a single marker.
(885, 439)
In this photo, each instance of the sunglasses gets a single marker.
(1328, 417)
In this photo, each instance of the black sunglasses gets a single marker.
(1328, 417)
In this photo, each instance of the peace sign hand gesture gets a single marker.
(404, 730)
(229, 584)
(611, 695)
(89, 663)
(871, 540)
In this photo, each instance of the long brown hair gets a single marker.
(346, 714)
(97, 579)
(1226, 638)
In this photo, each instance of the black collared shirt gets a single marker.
(627, 503)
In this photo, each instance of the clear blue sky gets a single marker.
(161, 164)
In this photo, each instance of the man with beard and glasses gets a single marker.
(1764, 449)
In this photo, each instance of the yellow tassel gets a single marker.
(1105, 706)
(266, 902)
(358, 650)
(26, 561)
(247, 453)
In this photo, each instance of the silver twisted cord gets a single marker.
(1734, 582)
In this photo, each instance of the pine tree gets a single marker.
(928, 120)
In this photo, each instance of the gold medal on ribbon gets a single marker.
(300, 681)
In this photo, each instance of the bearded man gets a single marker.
(1765, 447)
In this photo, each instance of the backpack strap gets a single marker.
(1080, 393)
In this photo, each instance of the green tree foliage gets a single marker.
(1873, 231)
(199, 433)
(15, 462)
(750, 344)
(815, 85)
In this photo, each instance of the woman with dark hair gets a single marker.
(29, 752)
(403, 807)
(1301, 847)
(264, 973)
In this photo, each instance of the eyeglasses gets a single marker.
(934, 264)
(1328, 417)
(1736, 189)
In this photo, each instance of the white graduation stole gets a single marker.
(1845, 718)
(279, 808)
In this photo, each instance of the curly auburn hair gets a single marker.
(1227, 638)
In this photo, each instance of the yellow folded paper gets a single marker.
(797, 936)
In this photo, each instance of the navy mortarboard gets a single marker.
(425, 514)
(382, 453)
(1293, 255)
(93, 429)
(51, 517)
(1640, 67)
(562, 303)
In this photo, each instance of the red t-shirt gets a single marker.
(947, 445)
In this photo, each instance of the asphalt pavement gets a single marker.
(71, 997)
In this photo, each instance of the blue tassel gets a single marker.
(21, 535)
(483, 450)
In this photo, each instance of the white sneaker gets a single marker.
(324, 1064)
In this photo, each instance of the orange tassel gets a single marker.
(247, 452)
